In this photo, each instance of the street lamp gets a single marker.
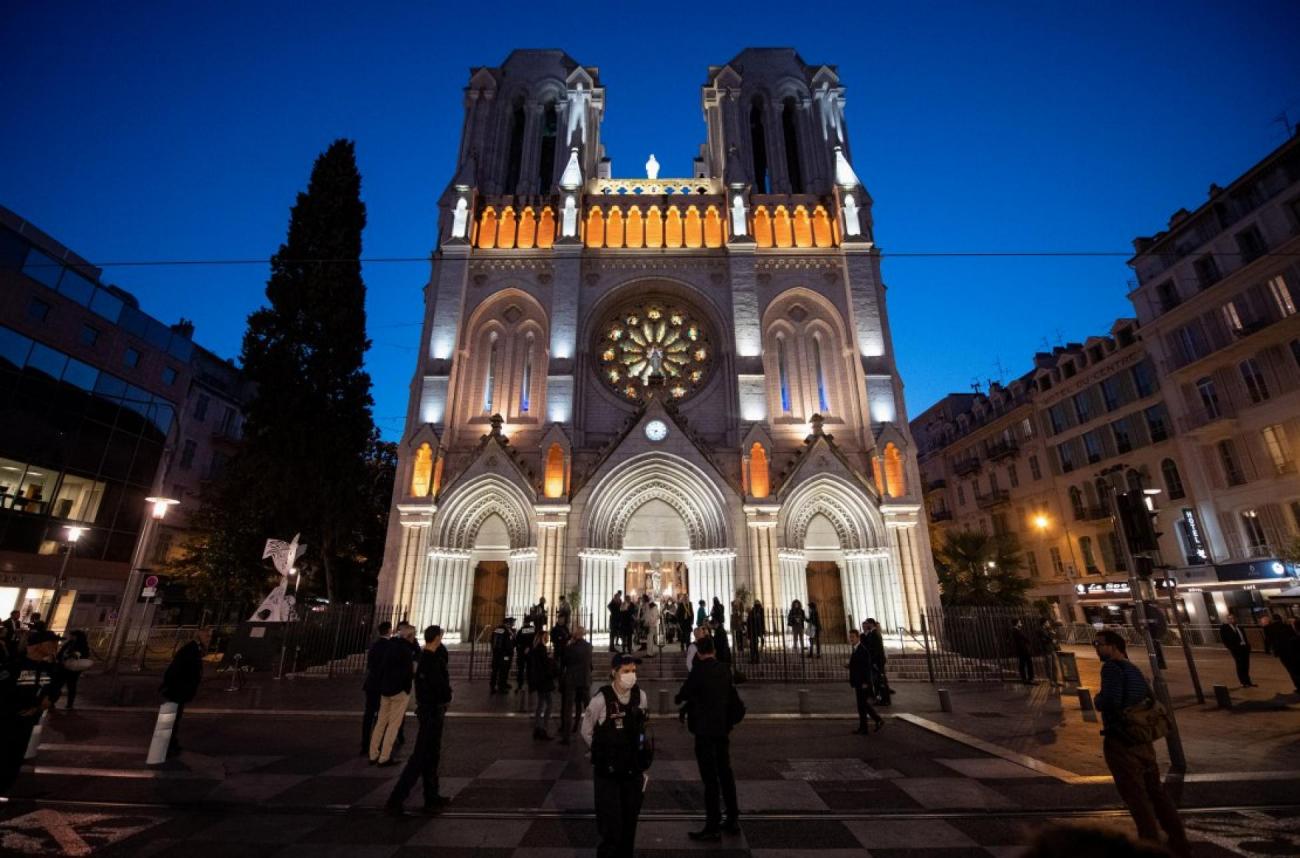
(1041, 522)
(158, 507)
(61, 583)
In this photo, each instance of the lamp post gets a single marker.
(158, 507)
(61, 583)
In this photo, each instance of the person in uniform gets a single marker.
(503, 647)
(523, 646)
(613, 726)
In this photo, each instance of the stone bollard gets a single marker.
(805, 706)
(945, 700)
(1222, 697)
(35, 741)
(162, 734)
(664, 702)
(1085, 705)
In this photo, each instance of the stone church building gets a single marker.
(677, 385)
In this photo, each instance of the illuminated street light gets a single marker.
(61, 583)
(1041, 521)
(158, 506)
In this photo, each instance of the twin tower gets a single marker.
(682, 387)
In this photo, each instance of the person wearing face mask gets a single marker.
(613, 726)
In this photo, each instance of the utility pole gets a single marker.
(1174, 741)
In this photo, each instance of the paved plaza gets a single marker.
(285, 777)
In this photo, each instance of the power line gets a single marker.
(884, 254)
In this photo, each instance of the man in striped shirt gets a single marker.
(1133, 765)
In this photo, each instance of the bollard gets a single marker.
(945, 700)
(35, 741)
(1222, 697)
(805, 708)
(162, 734)
(664, 702)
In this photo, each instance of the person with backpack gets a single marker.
(712, 708)
(614, 727)
(1129, 754)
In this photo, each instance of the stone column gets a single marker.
(713, 573)
(764, 569)
(522, 586)
(446, 598)
(600, 576)
(552, 523)
(794, 578)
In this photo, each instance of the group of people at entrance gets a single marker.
(546, 660)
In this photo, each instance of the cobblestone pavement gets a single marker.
(277, 785)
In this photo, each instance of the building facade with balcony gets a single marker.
(683, 386)
(93, 393)
(1217, 295)
(1041, 444)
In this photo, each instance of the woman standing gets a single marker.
(796, 620)
(814, 630)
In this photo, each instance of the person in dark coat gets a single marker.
(75, 648)
(718, 613)
(541, 680)
(181, 680)
(860, 679)
(1235, 640)
(29, 684)
(874, 641)
(396, 671)
(814, 631)
(1280, 639)
(575, 682)
(432, 696)
(707, 695)
(757, 629)
(615, 619)
(503, 648)
(1024, 653)
(684, 625)
(721, 646)
(523, 646)
(370, 686)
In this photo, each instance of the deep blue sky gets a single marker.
(144, 131)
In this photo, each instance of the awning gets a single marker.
(1290, 596)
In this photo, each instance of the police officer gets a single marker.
(613, 726)
(503, 647)
(29, 684)
(523, 646)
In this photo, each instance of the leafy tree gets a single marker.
(977, 569)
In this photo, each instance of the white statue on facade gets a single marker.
(278, 606)
(831, 109)
(569, 217)
(459, 218)
(579, 99)
(852, 222)
(738, 227)
(652, 167)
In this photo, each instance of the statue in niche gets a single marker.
(652, 167)
(459, 218)
(579, 99)
(569, 217)
(738, 227)
(852, 222)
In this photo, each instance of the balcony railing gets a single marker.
(993, 498)
(1002, 449)
(962, 467)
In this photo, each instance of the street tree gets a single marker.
(976, 569)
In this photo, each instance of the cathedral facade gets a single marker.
(682, 386)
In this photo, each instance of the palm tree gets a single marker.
(978, 569)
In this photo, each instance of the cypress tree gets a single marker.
(309, 423)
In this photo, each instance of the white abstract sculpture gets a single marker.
(832, 114)
(278, 606)
(652, 167)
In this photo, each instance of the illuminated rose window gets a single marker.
(654, 338)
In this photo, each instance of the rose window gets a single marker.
(654, 338)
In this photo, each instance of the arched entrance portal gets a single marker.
(823, 577)
(656, 515)
(491, 575)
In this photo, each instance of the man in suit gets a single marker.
(860, 680)
(875, 644)
(1235, 640)
(575, 682)
(707, 694)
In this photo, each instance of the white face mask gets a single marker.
(626, 681)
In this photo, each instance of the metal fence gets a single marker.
(333, 639)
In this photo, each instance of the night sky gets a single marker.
(150, 131)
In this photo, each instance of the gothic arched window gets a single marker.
(546, 161)
(758, 146)
(759, 482)
(790, 130)
(783, 374)
(554, 485)
(894, 480)
(422, 471)
(526, 388)
(822, 402)
(489, 379)
(515, 153)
